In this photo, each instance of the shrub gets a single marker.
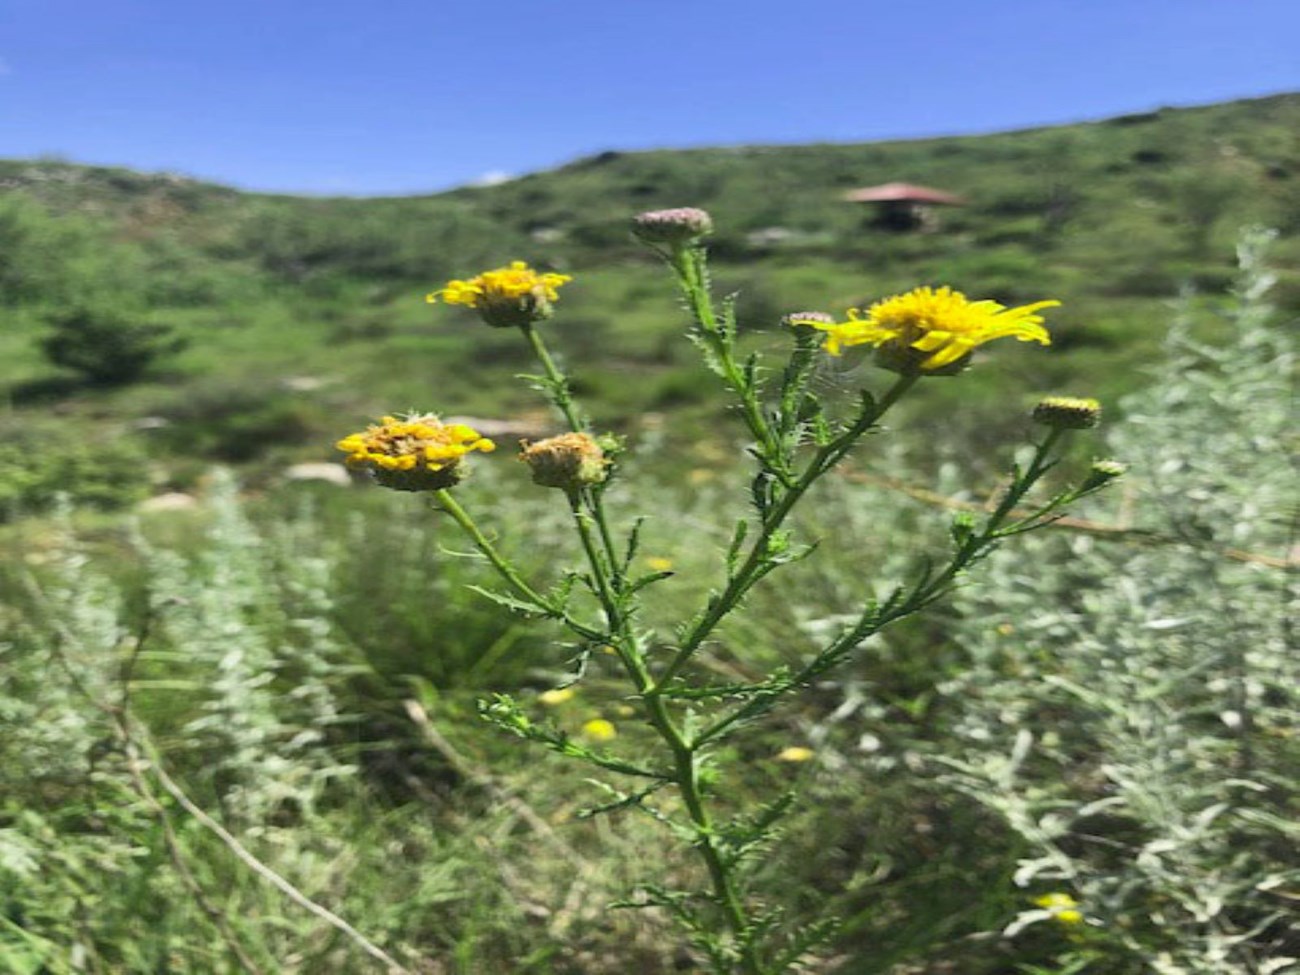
(106, 345)
(39, 461)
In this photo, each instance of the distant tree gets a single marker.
(106, 344)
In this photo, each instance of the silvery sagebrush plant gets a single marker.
(1129, 704)
(796, 440)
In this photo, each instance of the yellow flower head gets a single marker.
(795, 753)
(932, 330)
(1064, 908)
(556, 696)
(418, 453)
(506, 296)
(598, 730)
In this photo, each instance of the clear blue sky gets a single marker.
(400, 96)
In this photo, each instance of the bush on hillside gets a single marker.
(106, 345)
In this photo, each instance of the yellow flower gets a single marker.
(795, 753)
(1062, 906)
(598, 730)
(658, 563)
(928, 330)
(505, 296)
(556, 696)
(418, 453)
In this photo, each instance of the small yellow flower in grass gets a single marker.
(599, 730)
(657, 563)
(556, 696)
(416, 453)
(1064, 908)
(506, 296)
(931, 331)
(795, 753)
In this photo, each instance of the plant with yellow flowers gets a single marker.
(796, 441)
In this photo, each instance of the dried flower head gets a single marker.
(1067, 412)
(932, 331)
(417, 453)
(570, 461)
(507, 296)
(680, 225)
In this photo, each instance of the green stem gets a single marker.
(686, 777)
(564, 402)
(754, 565)
(561, 397)
(689, 267)
(992, 528)
(507, 571)
(587, 508)
(928, 592)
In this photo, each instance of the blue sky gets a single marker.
(399, 96)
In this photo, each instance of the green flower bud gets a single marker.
(675, 227)
(1103, 472)
(1067, 413)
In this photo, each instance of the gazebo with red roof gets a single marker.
(904, 206)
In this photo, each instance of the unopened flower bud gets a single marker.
(674, 227)
(1103, 472)
(570, 461)
(1067, 412)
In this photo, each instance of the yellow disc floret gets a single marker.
(416, 453)
(507, 296)
(932, 330)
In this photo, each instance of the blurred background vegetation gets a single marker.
(247, 327)
(304, 659)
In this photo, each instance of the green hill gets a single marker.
(304, 315)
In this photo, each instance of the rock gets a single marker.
(171, 501)
(329, 473)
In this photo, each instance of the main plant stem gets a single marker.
(607, 577)
(685, 767)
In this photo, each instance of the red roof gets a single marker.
(902, 193)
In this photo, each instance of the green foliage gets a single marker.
(44, 459)
(107, 344)
(1129, 709)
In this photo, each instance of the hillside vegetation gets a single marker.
(298, 316)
